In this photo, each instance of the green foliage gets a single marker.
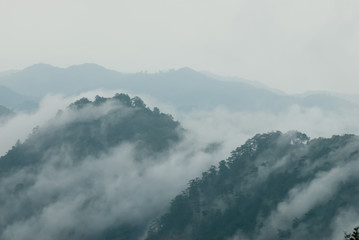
(80, 103)
(88, 129)
(127, 120)
(236, 197)
(353, 236)
(125, 231)
(284, 234)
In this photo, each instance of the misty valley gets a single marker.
(91, 153)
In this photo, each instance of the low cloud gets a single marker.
(21, 125)
(79, 200)
(234, 128)
(307, 196)
(98, 193)
(346, 220)
(64, 198)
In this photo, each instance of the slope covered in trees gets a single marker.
(275, 186)
(77, 177)
(91, 128)
(104, 169)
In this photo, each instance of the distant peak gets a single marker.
(186, 69)
(87, 66)
(48, 67)
(40, 66)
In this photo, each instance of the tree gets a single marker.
(353, 236)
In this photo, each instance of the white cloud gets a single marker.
(97, 193)
(114, 187)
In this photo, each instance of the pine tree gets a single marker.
(353, 236)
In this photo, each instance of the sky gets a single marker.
(294, 46)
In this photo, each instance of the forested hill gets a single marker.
(79, 175)
(275, 186)
(91, 128)
(105, 169)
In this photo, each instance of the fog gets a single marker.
(220, 125)
(21, 125)
(315, 192)
(271, 42)
(292, 46)
(304, 197)
(80, 200)
(98, 193)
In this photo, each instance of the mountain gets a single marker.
(13, 100)
(80, 176)
(41, 79)
(184, 88)
(7, 73)
(353, 98)
(275, 186)
(249, 82)
(5, 112)
(91, 128)
(108, 169)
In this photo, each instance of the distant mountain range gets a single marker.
(16, 101)
(184, 88)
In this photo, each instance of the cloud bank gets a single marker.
(67, 200)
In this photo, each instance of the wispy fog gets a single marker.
(63, 199)
(220, 125)
(98, 193)
(22, 124)
(305, 197)
(322, 187)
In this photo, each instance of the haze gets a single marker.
(294, 46)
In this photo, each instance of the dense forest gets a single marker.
(91, 128)
(99, 170)
(64, 159)
(179, 120)
(275, 186)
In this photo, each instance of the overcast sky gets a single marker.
(294, 46)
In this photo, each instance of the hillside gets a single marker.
(275, 186)
(78, 171)
(13, 100)
(108, 168)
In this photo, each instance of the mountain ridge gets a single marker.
(108, 165)
(16, 101)
(184, 88)
(270, 188)
(88, 158)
